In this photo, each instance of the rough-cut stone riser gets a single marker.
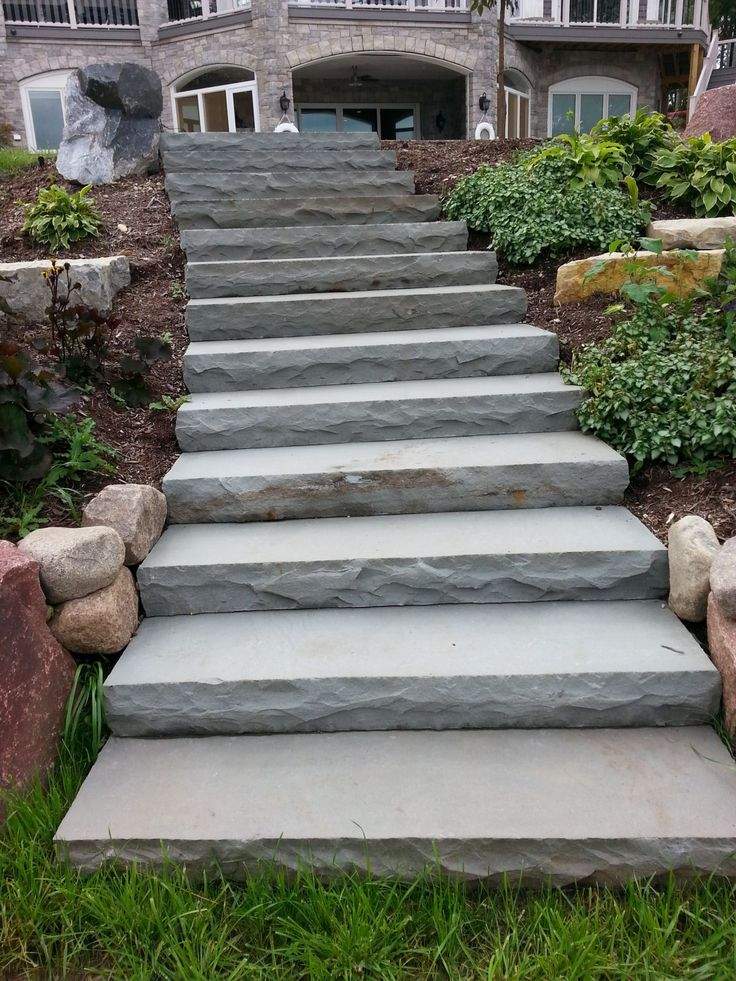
(234, 372)
(226, 188)
(198, 501)
(309, 211)
(246, 142)
(343, 313)
(424, 581)
(280, 277)
(202, 428)
(235, 160)
(365, 704)
(203, 245)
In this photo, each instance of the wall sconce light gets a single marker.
(440, 121)
(484, 103)
(284, 102)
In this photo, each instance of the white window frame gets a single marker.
(46, 82)
(229, 91)
(523, 97)
(589, 85)
(340, 106)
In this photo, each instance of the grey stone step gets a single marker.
(404, 560)
(345, 359)
(212, 245)
(524, 665)
(363, 311)
(279, 158)
(357, 209)
(378, 411)
(224, 188)
(281, 277)
(295, 142)
(468, 473)
(544, 806)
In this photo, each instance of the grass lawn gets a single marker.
(14, 161)
(131, 924)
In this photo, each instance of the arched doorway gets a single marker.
(518, 103)
(400, 97)
(42, 102)
(216, 99)
(578, 103)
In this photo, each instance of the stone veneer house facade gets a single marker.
(409, 68)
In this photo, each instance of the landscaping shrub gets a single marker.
(589, 160)
(531, 212)
(700, 173)
(640, 137)
(663, 386)
(59, 218)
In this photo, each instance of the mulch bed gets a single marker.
(137, 223)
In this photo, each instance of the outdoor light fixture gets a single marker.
(284, 102)
(440, 121)
(484, 103)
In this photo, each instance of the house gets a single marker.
(408, 68)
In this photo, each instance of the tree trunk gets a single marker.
(500, 91)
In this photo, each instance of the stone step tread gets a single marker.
(306, 159)
(255, 243)
(296, 142)
(318, 274)
(225, 186)
(549, 805)
(442, 667)
(544, 554)
(422, 308)
(309, 210)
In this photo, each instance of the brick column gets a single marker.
(273, 74)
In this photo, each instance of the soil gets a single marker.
(137, 223)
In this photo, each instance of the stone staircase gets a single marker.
(455, 651)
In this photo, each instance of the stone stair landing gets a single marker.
(399, 619)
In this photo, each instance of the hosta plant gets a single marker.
(700, 173)
(59, 217)
(586, 160)
(640, 137)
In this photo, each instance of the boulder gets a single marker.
(715, 113)
(693, 233)
(27, 291)
(112, 129)
(722, 646)
(137, 512)
(723, 578)
(102, 622)
(693, 544)
(36, 674)
(74, 562)
(688, 273)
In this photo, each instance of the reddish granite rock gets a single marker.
(722, 644)
(715, 114)
(35, 673)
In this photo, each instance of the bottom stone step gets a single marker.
(545, 805)
(440, 667)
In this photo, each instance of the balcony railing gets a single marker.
(674, 14)
(446, 6)
(72, 13)
(181, 11)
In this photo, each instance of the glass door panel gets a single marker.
(48, 117)
(619, 105)
(359, 120)
(187, 114)
(581, 11)
(244, 119)
(591, 110)
(397, 124)
(215, 112)
(318, 120)
(563, 113)
(524, 119)
(512, 116)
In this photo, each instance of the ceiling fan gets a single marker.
(357, 80)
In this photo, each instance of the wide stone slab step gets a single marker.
(213, 245)
(355, 209)
(399, 477)
(362, 311)
(379, 411)
(345, 359)
(279, 158)
(279, 277)
(443, 667)
(544, 806)
(244, 142)
(404, 560)
(224, 187)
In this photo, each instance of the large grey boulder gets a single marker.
(693, 545)
(112, 127)
(26, 290)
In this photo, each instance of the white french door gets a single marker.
(219, 109)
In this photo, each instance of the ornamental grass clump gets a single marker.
(59, 218)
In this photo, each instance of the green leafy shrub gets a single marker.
(700, 173)
(589, 160)
(531, 212)
(663, 386)
(59, 218)
(640, 137)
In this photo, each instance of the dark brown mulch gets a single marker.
(439, 164)
(137, 223)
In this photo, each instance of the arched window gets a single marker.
(578, 103)
(42, 100)
(217, 99)
(516, 88)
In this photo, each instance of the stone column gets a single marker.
(273, 74)
(483, 78)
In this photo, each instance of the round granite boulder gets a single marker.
(123, 86)
(74, 561)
